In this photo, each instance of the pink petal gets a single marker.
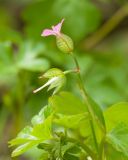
(57, 28)
(48, 32)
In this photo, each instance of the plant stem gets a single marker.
(71, 71)
(102, 150)
(106, 28)
(86, 100)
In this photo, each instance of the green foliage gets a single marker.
(115, 114)
(118, 137)
(66, 114)
(6, 61)
(68, 104)
(105, 76)
(70, 127)
(113, 154)
(29, 57)
(70, 121)
(31, 136)
(97, 113)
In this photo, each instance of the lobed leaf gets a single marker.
(29, 57)
(31, 136)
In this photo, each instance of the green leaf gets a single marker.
(43, 130)
(22, 137)
(118, 137)
(75, 153)
(70, 121)
(97, 113)
(105, 83)
(44, 155)
(98, 123)
(115, 114)
(31, 136)
(68, 104)
(29, 57)
(43, 114)
(66, 147)
(22, 148)
(113, 154)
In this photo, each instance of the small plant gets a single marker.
(72, 128)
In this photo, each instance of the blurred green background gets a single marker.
(99, 29)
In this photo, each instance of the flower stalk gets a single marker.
(84, 93)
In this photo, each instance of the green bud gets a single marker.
(64, 43)
(56, 80)
(53, 72)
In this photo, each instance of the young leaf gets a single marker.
(23, 137)
(22, 148)
(43, 114)
(31, 136)
(118, 137)
(68, 104)
(42, 131)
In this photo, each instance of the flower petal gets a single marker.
(46, 84)
(48, 32)
(57, 28)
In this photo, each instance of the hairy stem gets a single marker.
(84, 93)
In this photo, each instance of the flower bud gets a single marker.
(64, 43)
(56, 80)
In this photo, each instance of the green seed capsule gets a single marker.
(64, 43)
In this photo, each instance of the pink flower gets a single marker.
(63, 42)
(54, 31)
